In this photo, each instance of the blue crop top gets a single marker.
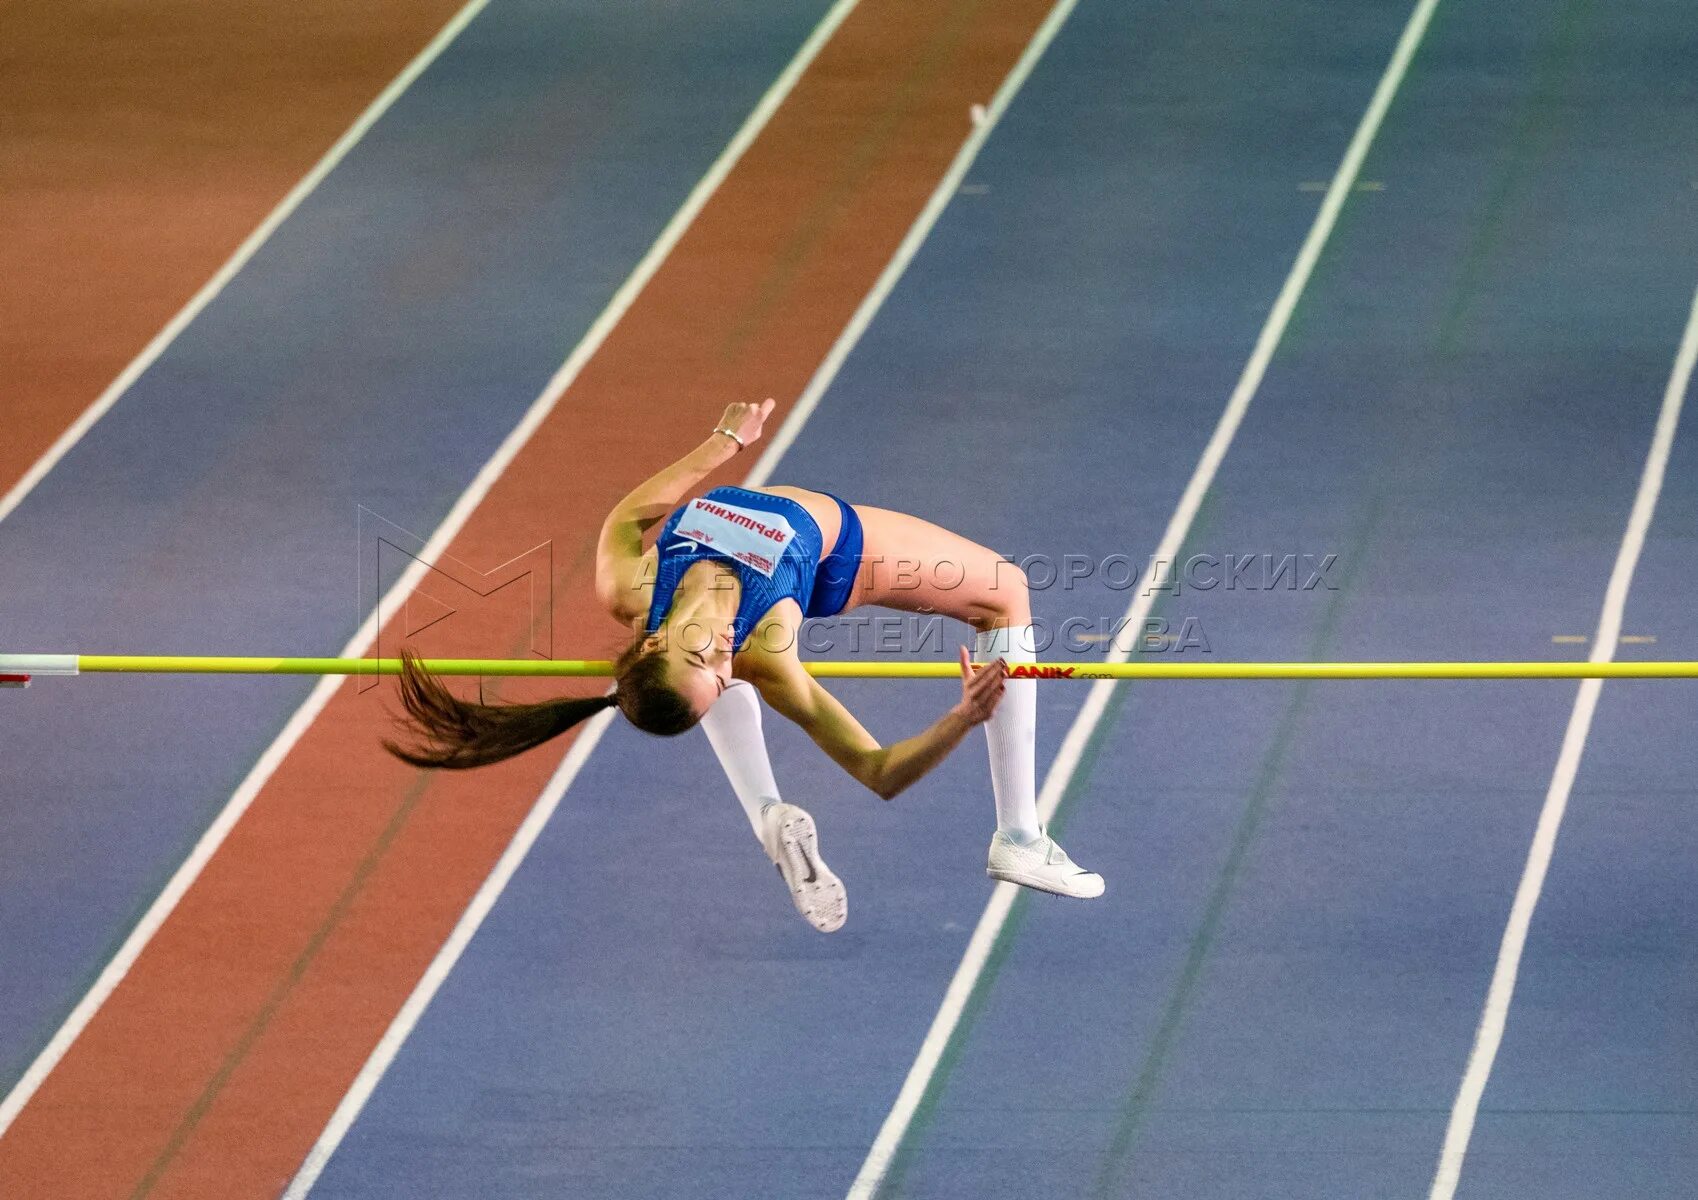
(772, 542)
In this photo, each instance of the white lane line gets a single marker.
(405, 1021)
(401, 1028)
(891, 1133)
(910, 245)
(363, 638)
(232, 266)
(1502, 989)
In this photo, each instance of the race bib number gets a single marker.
(755, 539)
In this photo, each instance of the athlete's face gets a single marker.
(699, 664)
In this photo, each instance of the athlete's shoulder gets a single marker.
(626, 594)
(771, 645)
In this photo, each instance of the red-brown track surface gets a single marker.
(139, 145)
(215, 1064)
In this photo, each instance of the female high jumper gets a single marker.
(717, 604)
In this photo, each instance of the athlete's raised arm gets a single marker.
(619, 550)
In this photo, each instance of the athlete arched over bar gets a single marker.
(717, 603)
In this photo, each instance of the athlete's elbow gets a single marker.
(891, 784)
(880, 780)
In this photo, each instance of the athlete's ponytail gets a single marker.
(454, 733)
(450, 732)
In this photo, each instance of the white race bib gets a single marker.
(754, 538)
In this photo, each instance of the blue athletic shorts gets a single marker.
(835, 578)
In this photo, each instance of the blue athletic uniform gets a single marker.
(774, 545)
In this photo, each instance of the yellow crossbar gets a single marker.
(875, 669)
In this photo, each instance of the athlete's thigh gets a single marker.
(912, 565)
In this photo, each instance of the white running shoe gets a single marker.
(792, 843)
(1042, 865)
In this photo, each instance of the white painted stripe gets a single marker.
(211, 289)
(38, 664)
(890, 1135)
(402, 1027)
(391, 601)
(1495, 1015)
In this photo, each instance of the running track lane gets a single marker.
(139, 148)
(1596, 1082)
(213, 1066)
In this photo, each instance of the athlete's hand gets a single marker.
(981, 688)
(745, 420)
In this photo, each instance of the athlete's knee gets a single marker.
(1007, 601)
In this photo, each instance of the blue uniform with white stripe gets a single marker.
(774, 545)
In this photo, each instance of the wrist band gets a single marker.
(721, 429)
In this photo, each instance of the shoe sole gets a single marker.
(819, 894)
(1039, 884)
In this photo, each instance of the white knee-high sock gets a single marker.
(1012, 733)
(733, 726)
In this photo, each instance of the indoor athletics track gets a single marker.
(245, 954)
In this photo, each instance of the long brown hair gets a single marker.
(454, 733)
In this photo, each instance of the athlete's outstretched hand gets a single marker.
(981, 688)
(745, 420)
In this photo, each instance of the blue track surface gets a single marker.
(1307, 883)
